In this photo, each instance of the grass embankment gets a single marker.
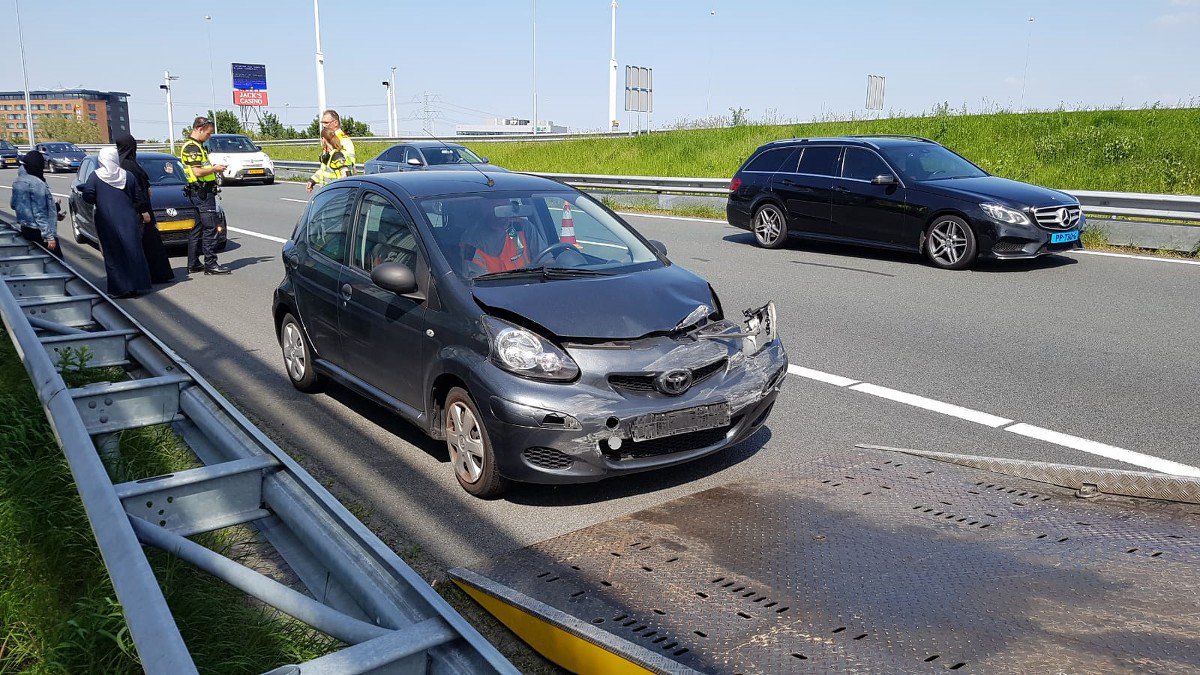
(1152, 150)
(58, 610)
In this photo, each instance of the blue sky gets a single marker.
(792, 59)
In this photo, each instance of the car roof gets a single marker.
(421, 184)
(431, 144)
(870, 141)
(229, 136)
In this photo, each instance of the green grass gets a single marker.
(58, 611)
(1150, 150)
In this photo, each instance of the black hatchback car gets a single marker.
(173, 212)
(901, 192)
(9, 155)
(61, 156)
(522, 322)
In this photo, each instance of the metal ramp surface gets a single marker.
(868, 561)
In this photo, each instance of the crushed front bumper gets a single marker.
(585, 431)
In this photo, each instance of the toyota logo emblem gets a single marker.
(172, 212)
(674, 382)
(1064, 215)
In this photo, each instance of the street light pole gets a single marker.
(533, 16)
(708, 71)
(612, 73)
(212, 79)
(395, 108)
(166, 85)
(25, 74)
(320, 61)
(387, 88)
(1028, 42)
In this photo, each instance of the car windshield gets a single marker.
(454, 154)
(926, 161)
(231, 144)
(61, 147)
(5, 145)
(488, 235)
(163, 171)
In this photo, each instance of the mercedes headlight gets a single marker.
(1003, 214)
(525, 353)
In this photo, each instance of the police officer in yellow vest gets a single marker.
(330, 119)
(333, 161)
(202, 190)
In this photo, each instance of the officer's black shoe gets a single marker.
(217, 269)
(196, 268)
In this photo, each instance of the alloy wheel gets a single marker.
(293, 351)
(465, 440)
(768, 226)
(947, 242)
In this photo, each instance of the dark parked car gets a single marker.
(10, 156)
(172, 210)
(61, 156)
(426, 155)
(538, 353)
(901, 192)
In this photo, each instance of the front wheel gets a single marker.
(298, 356)
(950, 243)
(770, 226)
(470, 447)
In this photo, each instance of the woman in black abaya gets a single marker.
(152, 244)
(113, 190)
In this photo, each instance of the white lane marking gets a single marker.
(655, 215)
(828, 378)
(289, 199)
(950, 409)
(257, 234)
(1140, 257)
(1104, 450)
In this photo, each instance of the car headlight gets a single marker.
(525, 353)
(1003, 214)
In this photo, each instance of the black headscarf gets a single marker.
(127, 151)
(35, 164)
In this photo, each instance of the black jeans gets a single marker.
(203, 237)
(35, 235)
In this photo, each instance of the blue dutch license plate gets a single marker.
(1063, 237)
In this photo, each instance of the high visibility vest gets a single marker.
(347, 149)
(194, 156)
(513, 256)
(333, 166)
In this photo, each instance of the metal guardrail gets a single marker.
(1124, 204)
(359, 590)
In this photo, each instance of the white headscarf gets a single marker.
(110, 170)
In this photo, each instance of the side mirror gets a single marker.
(258, 148)
(413, 161)
(484, 160)
(659, 246)
(884, 179)
(394, 277)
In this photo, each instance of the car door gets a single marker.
(384, 333)
(389, 160)
(863, 210)
(83, 214)
(320, 257)
(807, 190)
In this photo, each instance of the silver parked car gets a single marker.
(427, 155)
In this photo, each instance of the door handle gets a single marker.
(347, 291)
(842, 189)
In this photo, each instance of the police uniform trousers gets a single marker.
(203, 236)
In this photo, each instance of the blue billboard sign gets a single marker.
(249, 76)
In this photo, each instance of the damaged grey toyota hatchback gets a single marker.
(523, 323)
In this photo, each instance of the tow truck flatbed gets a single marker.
(874, 560)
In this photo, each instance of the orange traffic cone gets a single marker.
(568, 226)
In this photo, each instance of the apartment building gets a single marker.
(108, 109)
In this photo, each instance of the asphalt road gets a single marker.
(991, 361)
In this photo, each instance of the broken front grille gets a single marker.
(645, 381)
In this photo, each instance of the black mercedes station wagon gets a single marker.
(897, 192)
(522, 322)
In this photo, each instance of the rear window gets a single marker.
(769, 161)
(820, 160)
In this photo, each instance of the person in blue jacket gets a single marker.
(37, 214)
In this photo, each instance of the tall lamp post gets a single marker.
(533, 17)
(1028, 42)
(387, 88)
(212, 79)
(708, 71)
(25, 75)
(612, 73)
(395, 108)
(166, 86)
(320, 61)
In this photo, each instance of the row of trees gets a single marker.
(271, 128)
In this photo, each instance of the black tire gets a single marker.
(305, 377)
(489, 484)
(769, 226)
(269, 181)
(950, 243)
